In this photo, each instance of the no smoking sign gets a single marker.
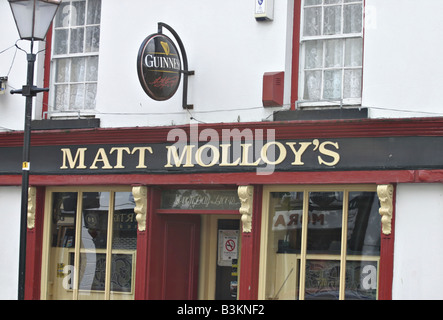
(227, 247)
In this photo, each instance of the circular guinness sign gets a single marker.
(158, 67)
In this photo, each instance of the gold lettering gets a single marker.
(215, 155)
(264, 153)
(298, 153)
(101, 157)
(245, 156)
(119, 164)
(225, 155)
(330, 153)
(141, 156)
(173, 153)
(79, 156)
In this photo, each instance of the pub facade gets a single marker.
(179, 175)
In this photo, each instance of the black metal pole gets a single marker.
(27, 91)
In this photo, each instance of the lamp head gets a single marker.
(33, 17)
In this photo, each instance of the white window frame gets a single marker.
(303, 39)
(66, 111)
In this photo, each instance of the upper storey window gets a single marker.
(331, 52)
(75, 54)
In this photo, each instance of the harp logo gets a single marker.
(159, 67)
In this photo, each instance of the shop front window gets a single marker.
(92, 246)
(322, 244)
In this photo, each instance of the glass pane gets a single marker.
(91, 94)
(333, 53)
(61, 41)
(354, 52)
(94, 11)
(62, 70)
(312, 87)
(62, 17)
(325, 222)
(61, 97)
(77, 39)
(361, 280)
(92, 39)
(91, 69)
(78, 13)
(332, 1)
(352, 84)
(77, 70)
(76, 97)
(322, 280)
(332, 84)
(364, 224)
(93, 245)
(284, 243)
(313, 54)
(124, 245)
(353, 16)
(312, 21)
(61, 268)
(332, 20)
(312, 2)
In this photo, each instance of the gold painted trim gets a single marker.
(140, 194)
(31, 207)
(245, 193)
(385, 194)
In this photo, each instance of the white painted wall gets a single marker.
(403, 69)
(9, 241)
(226, 47)
(418, 255)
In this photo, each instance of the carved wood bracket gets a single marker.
(31, 207)
(140, 194)
(386, 195)
(245, 193)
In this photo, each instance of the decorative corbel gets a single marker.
(140, 194)
(385, 195)
(245, 193)
(31, 207)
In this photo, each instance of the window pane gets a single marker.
(77, 70)
(91, 68)
(312, 2)
(364, 225)
(352, 83)
(91, 94)
(61, 268)
(76, 96)
(322, 280)
(332, 84)
(94, 11)
(77, 39)
(312, 85)
(92, 39)
(312, 21)
(61, 97)
(325, 222)
(333, 53)
(78, 13)
(332, 1)
(61, 41)
(353, 15)
(93, 244)
(124, 244)
(361, 280)
(62, 70)
(332, 20)
(314, 54)
(62, 17)
(284, 235)
(354, 56)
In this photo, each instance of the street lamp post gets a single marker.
(33, 18)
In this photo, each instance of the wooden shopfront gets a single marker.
(221, 211)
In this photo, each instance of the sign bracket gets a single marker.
(184, 57)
